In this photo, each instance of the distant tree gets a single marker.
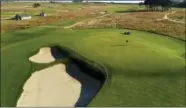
(182, 4)
(52, 1)
(35, 5)
(141, 3)
(166, 4)
(76, 1)
(155, 4)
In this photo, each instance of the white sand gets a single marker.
(43, 56)
(51, 87)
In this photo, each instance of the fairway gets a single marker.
(146, 71)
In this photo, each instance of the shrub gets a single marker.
(52, 1)
(35, 5)
(77, 1)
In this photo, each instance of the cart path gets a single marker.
(73, 25)
(169, 19)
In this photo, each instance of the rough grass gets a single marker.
(179, 16)
(146, 71)
(145, 21)
(57, 12)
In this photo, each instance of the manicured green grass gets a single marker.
(121, 7)
(146, 71)
(63, 23)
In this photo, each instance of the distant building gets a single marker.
(22, 17)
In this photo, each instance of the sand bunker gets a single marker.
(51, 87)
(57, 86)
(43, 56)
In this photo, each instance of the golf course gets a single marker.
(144, 68)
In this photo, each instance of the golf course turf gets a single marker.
(149, 70)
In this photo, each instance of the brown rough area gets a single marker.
(145, 21)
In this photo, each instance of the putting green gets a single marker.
(146, 71)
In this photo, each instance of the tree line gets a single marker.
(155, 5)
(180, 4)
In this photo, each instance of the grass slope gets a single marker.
(147, 71)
